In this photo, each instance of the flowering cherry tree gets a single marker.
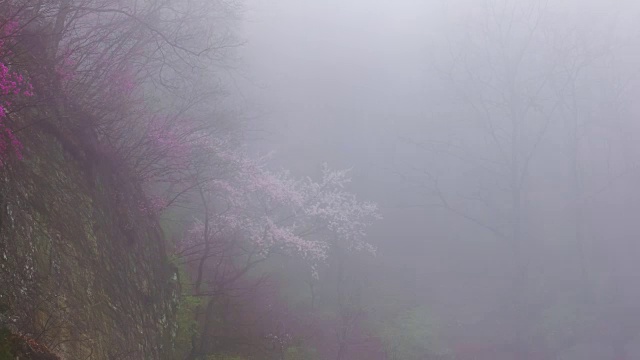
(273, 212)
(267, 211)
(248, 213)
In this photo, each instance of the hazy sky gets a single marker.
(349, 81)
(344, 81)
(348, 74)
(336, 63)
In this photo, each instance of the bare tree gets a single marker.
(511, 84)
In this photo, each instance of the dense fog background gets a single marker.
(172, 182)
(499, 137)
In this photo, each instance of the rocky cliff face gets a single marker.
(83, 270)
(15, 346)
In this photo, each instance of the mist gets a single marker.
(319, 180)
(499, 138)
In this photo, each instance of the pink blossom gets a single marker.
(153, 205)
(277, 212)
(12, 84)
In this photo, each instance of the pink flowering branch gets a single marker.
(275, 212)
(13, 85)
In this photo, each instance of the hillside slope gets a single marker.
(83, 270)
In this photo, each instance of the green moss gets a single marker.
(5, 345)
(42, 256)
(186, 326)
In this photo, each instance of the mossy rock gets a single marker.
(19, 347)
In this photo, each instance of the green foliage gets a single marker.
(5, 345)
(225, 357)
(410, 335)
(300, 353)
(187, 327)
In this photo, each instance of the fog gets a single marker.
(320, 180)
(500, 139)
